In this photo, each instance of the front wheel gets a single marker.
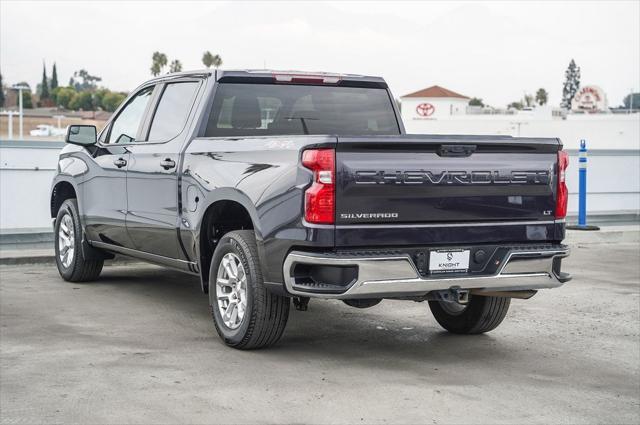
(71, 262)
(481, 314)
(246, 315)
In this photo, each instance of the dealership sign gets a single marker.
(590, 99)
(425, 109)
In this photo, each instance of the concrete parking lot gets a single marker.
(139, 347)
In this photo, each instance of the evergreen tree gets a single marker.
(571, 84)
(54, 77)
(44, 89)
(1, 92)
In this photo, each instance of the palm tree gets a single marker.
(217, 61)
(528, 100)
(541, 96)
(207, 59)
(158, 61)
(176, 66)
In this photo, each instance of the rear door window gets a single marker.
(172, 111)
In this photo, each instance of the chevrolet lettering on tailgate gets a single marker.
(453, 177)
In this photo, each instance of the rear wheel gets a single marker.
(246, 315)
(479, 315)
(72, 265)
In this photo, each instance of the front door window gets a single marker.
(125, 126)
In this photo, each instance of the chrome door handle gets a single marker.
(167, 163)
(120, 162)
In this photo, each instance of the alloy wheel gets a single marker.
(66, 240)
(231, 290)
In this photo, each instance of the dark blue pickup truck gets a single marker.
(278, 186)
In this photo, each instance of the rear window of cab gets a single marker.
(277, 109)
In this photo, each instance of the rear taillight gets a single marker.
(319, 199)
(562, 196)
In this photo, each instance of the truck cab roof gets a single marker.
(299, 77)
(266, 76)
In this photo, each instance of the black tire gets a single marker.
(482, 314)
(266, 314)
(78, 268)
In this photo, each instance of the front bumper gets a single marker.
(395, 275)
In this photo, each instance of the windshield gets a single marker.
(270, 109)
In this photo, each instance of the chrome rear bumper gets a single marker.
(392, 276)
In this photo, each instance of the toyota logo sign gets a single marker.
(425, 109)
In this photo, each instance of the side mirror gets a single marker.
(83, 135)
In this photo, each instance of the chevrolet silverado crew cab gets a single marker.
(277, 187)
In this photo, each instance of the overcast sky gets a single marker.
(493, 50)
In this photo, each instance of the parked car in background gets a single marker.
(280, 186)
(46, 130)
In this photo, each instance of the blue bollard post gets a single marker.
(582, 190)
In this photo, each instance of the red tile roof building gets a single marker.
(435, 91)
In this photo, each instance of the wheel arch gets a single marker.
(61, 190)
(229, 210)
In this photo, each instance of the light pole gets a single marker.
(10, 125)
(9, 115)
(20, 113)
(59, 118)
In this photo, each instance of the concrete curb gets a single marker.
(609, 234)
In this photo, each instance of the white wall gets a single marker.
(610, 131)
(26, 172)
(613, 182)
(25, 180)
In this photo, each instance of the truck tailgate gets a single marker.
(416, 180)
